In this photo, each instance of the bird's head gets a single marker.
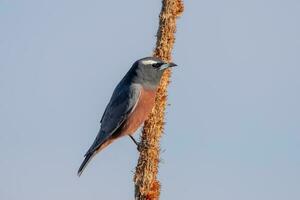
(149, 71)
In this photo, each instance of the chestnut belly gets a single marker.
(140, 113)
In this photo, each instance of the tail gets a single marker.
(96, 147)
(87, 159)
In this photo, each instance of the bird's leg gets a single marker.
(135, 142)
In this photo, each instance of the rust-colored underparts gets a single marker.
(147, 186)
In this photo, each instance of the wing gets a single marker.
(121, 104)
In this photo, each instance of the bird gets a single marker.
(130, 104)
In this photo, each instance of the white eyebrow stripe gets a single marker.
(148, 62)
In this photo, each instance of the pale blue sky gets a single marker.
(233, 127)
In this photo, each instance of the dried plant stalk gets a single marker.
(147, 186)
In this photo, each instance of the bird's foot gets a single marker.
(139, 147)
(138, 144)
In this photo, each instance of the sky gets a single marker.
(233, 125)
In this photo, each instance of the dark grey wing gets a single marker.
(119, 107)
(103, 115)
(121, 104)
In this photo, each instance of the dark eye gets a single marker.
(157, 65)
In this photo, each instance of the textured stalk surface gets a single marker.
(147, 186)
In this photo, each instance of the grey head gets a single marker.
(148, 71)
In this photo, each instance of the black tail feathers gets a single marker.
(88, 157)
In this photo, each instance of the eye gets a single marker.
(157, 65)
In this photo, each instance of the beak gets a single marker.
(172, 64)
(167, 65)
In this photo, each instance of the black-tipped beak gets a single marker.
(172, 64)
(167, 65)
